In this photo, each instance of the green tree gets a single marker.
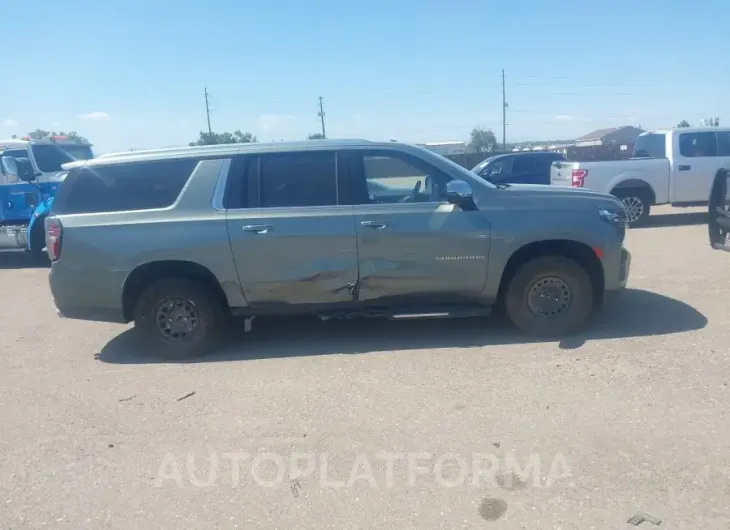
(236, 137)
(683, 123)
(40, 134)
(316, 136)
(482, 141)
(76, 137)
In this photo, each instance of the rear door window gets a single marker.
(306, 178)
(123, 187)
(699, 144)
(523, 164)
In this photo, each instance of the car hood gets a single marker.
(540, 191)
(553, 191)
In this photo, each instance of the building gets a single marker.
(625, 135)
(446, 148)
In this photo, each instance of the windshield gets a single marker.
(49, 157)
(650, 146)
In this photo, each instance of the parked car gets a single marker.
(518, 168)
(674, 167)
(180, 241)
(719, 211)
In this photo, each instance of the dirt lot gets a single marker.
(424, 424)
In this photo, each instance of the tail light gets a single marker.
(579, 176)
(54, 233)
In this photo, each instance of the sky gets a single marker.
(131, 74)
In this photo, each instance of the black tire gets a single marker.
(38, 243)
(548, 274)
(188, 302)
(638, 205)
(719, 213)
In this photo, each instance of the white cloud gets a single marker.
(9, 122)
(272, 122)
(94, 116)
(563, 118)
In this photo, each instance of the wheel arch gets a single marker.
(145, 275)
(578, 251)
(634, 184)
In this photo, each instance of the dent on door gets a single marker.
(420, 250)
(311, 259)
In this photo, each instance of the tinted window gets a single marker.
(49, 157)
(723, 143)
(650, 146)
(481, 165)
(298, 179)
(523, 164)
(16, 153)
(698, 144)
(121, 187)
(544, 162)
(498, 167)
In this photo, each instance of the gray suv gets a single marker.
(181, 240)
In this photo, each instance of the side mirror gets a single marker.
(458, 192)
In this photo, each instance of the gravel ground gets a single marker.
(430, 424)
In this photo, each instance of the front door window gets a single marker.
(399, 178)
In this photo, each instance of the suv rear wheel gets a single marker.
(180, 319)
(550, 296)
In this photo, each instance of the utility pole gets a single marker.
(504, 115)
(321, 115)
(207, 111)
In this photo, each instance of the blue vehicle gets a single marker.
(527, 167)
(30, 173)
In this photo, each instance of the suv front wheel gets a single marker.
(179, 319)
(550, 296)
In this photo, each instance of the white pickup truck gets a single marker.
(676, 166)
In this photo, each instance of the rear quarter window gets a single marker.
(123, 187)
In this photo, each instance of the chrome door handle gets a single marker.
(258, 229)
(377, 225)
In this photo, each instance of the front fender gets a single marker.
(39, 215)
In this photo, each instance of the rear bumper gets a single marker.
(84, 295)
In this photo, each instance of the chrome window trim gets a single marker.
(220, 186)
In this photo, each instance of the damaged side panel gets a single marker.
(295, 256)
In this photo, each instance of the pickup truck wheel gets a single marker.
(179, 319)
(550, 296)
(637, 206)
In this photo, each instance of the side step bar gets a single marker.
(409, 314)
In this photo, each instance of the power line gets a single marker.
(207, 110)
(321, 115)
